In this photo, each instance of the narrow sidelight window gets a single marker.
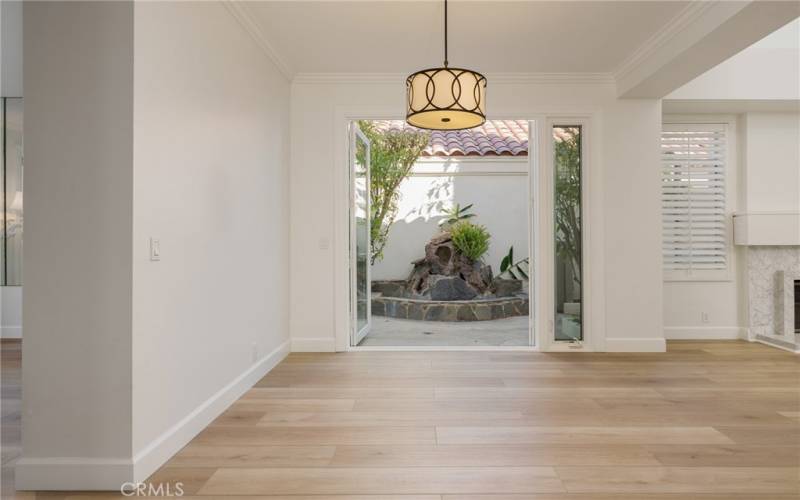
(568, 221)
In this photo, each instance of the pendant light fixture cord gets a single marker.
(445, 33)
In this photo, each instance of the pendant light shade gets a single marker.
(446, 98)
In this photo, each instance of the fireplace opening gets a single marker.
(796, 306)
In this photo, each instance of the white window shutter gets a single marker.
(693, 172)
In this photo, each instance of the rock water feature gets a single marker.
(448, 286)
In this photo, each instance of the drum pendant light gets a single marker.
(446, 98)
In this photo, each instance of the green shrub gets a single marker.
(470, 239)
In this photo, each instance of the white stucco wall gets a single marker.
(498, 190)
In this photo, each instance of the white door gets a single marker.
(360, 245)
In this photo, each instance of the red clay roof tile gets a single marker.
(493, 138)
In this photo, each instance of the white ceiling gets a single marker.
(488, 36)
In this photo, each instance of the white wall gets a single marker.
(625, 158)
(162, 120)
(767, 70)
(10, 48)
(76, 367)
(711, 309)
(498, 190)
(771, 156)
(764, 177)
(211, 182)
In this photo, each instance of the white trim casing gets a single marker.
(593, 259)
(731, 193)
(10, 332)
(88, 473)
(594, 249)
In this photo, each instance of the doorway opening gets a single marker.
(440, 235)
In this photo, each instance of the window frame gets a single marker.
(730, 192)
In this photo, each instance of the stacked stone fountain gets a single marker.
(445, 285)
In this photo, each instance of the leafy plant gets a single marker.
(392, 155)
(514, 270)
(568, 198)
(470, 239)
(456, 214)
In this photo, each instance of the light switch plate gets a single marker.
(155, 249)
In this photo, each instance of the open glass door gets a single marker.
(360, 300)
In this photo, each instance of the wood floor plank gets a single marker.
(786, 455)
(312, 380)
(199, 455)
(570, 392)
(754, 480)
(311, 436)
(474, 404)
(266, 405)
(492, 455)
(285, 393)
(390, 419)
(414, 480)
(580, 435)
(774, 436)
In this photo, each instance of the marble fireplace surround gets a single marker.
(771, 271)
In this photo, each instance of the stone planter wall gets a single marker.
(457, 310)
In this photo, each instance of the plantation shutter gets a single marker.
(693, 161)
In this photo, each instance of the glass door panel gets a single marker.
(360, 247)
(568, 220)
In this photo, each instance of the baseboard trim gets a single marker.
(704, 333)
(154, 455)
(110, 474)
(778, 343)
(321, 344)
(10, 332)
(635, 345)
(72, 473)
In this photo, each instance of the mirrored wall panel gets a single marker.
(12, 182)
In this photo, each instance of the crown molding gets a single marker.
(669, 31)
(242, 13)
(492, 78)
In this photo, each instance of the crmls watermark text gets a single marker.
(152, 490)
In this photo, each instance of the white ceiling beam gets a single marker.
(699, 38)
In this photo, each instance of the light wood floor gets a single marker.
(707, 420)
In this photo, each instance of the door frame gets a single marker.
(357, 335)
(539, 173)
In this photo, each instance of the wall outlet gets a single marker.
(155, 249)
(704, 317)
(255, 352)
